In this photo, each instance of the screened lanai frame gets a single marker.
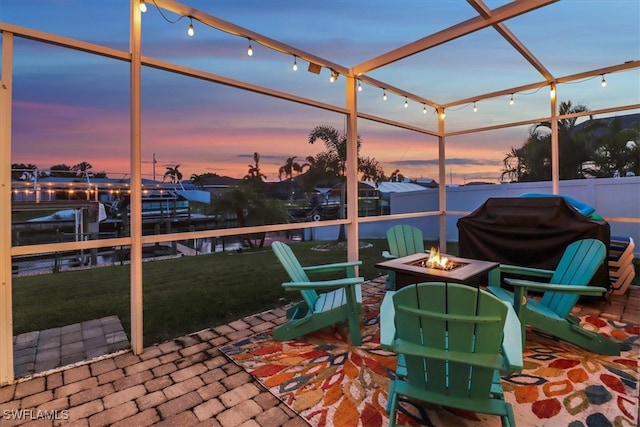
(486, 18)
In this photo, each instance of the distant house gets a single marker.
(374, 198)
(217, 184)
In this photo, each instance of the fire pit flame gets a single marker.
(437, 261)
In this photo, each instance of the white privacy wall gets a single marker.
(611, 198)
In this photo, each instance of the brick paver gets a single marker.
(187, 381)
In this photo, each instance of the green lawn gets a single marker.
(181, 295)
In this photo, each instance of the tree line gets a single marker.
(596, 148)
(29, 171)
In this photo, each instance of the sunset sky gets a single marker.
(70, 106)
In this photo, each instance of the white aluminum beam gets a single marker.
(628, 65)
(500, 14)
(6, 299)
(502, 29)
(353, 246)
(137, 340)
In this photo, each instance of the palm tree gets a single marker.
(174, 175)
(617, 152)
(333, 162)
(288, 168)
(532, 161)
(396, 176)
(336, 144)
(371, 170)
(82, 168)
(254, 176)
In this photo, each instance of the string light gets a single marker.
(143, 6)
(249, 49)
(475, 109)
(359, 86)
(552, 92)
(406, 102)
(334, 76)
(511, 101)
(424, 109)
(384, 94)
(295, 63)
(442, 114)
(603, 82)
(190, 30)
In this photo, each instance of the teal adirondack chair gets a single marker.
(552, 313)
(325, 302)
(452, 341)
(403, 240)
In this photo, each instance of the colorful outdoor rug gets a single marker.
(330, 383)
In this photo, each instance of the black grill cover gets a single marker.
(530, 232)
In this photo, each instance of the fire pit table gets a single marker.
(416, 268)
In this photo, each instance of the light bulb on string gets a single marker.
(190, 30)
(511, 101)
(406, 102)
(424, 109)
(295, 64)
(143, 6)
(359, 86)
(603, 82)
(475, 109)
(384, 94)
(334, 76)
(250, 49)
(442, 114)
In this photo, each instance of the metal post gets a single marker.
(136, 183)
(442, 187)
(6, 300)
(555, 143)
(353, 246)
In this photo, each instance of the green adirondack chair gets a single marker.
(452, 341)
(403, 240)
(552, 313)
(325, 302)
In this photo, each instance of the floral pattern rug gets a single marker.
(331, 383)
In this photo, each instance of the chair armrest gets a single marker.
(387, 255)
(323, 284)
(512, 340)
(387, 323)
(569, 289)
(525, 271)
(331, 267)
(495, 275)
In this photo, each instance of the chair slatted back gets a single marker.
(463, 321)
(578, 264)
(404, 239)
(295, 271)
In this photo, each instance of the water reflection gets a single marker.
(85, 259)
